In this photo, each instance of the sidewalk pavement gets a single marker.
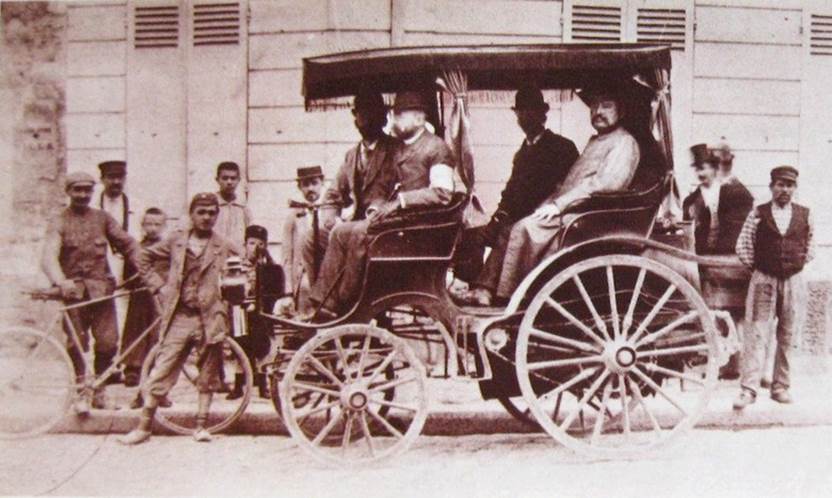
(457, 409)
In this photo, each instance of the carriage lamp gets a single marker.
(233, 281)
(496, 339)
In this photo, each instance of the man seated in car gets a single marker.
(608, 163)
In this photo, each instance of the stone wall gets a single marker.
(32, 92)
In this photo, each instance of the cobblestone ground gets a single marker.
(753, 463)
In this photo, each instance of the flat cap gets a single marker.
(785, 172)
(204, 199)
(307, 172)
(257, 232)
(113, 168)
(78, 177)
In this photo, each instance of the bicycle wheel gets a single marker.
(36, 382)
(180, 417)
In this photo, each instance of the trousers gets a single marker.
(184, 334)
(769, 298)
(100, 320)
(339, 279)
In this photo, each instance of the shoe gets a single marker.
(765, 383)
(100, 400)
(164, 402)
(202, 436)
(136, 436)
(137, 402)
(473, 297)
(745, 398)
(782, 396)
(237, 392)
(131, 378)
(81, 405)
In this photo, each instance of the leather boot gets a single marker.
(237, 392)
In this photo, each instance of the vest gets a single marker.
(781, 255)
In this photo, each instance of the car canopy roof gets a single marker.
(488, 67)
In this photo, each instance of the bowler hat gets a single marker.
(411, 100)
(369, 101)
(308, 172)
(112, 168)
(257, 232)
(78, 177)
(785, 172)
(529, 98)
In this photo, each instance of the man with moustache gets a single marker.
(423, 166)
(539, 166)
(607, 163)
(776, 242)
(75, 259)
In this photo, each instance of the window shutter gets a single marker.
(156, 27)
(216, 24)
(662, 26)
(596, 23)
(820, 38)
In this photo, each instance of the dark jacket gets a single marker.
(735, 202)
(781, 255)
(536, 172)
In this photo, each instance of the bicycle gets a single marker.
(38, 383)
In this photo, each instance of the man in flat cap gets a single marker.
(776, 242)
(193, 312)
(424, 169)
(299, 256)
(539, 166)
(365, 179)
(608, 163)
(75, 259)
(234, 215)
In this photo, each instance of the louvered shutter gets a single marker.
(667, 26)
(216, 23)
(156, 26)
(595, 23)
(820, 37)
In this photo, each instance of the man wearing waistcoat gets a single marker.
(775, 242)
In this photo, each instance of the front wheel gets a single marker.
(180, 416)
(37, 382)
(630, 347)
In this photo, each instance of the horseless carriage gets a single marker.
(611, 345)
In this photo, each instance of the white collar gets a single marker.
(775, 207)
(415, 137)
(370, 146)
(536, 138)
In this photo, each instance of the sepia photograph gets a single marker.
(416, 248)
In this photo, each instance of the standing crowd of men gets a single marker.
(325, 239)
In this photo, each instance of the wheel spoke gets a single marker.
(317, 365)
(381, 366)
(367, 436)
(390, 404)
(583, 346)
(583, 328)
(686, 318)
(653, 312)
(345, 438)
(588, 301)
(313, 387)
(613, 302)
(599, 419)
(636, 390)
(331, 404)
(672, 351)
(327, 429)
(565, 363)
(365, 350)
(587, 395)
(622, 393)
(673, 373)
(650, 382)
(391, 384)
(343, 356)
(571, 382)
(628, 317)
(387, 425)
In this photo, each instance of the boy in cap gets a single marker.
(193, 312)
(539, 166)
(776, 242)
(75, 259)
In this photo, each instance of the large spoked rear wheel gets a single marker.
(336, 395)
(626, 347)
(180, 417)
(36, 382)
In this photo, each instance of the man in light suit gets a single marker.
(424, 169)
(193, 312)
